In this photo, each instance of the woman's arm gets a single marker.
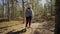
(32, 13)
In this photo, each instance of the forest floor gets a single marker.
(17, 27)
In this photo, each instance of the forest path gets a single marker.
(36, 28)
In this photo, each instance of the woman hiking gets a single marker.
(29, 15)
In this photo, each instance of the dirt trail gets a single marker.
(36, 28)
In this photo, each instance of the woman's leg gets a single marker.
(26, 21)
(30, 18)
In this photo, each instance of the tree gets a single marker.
(12, 12)
(45, 10)
(51, 7)
(23, 11)
(32, 4)
(35, 6)
(57, 25)
(8, 13)
(15, 8)
(0, 11)
(3, 8)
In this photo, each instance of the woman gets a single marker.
(29, 16)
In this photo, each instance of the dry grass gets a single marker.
(10, 23)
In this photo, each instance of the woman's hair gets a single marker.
(28, 8)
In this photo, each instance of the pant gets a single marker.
(28, 21)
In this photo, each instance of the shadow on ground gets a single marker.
(18, 32)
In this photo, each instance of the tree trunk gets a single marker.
(51, 7)
(57, 25)
(3, 8)
(23, 11)
(12, 13)
(8, 10)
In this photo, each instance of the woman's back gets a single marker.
(28, 12)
